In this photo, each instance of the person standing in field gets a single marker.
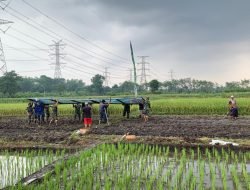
(77, 111)
(103, 111)
(126, 110)
(54, 113)
(146, 109)
(82, 107)
(87, 110)
(141, 106)
(47, 113)
(30, 112)
(39, 109)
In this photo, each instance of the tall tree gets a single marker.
(154, 85)
(9, 83)
(97, 84)
(127, 86)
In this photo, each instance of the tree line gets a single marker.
(13, 85)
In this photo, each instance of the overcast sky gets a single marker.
(205, 40)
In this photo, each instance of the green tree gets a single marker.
(26, 84)
(154, 85)
(45, 83)
(97, 84)
(127, 86)
(75, 85)
(9, 83)
(59, 85)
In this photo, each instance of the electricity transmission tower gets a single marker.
(171, 72)
(3, 65)
(143, 70)
(3, 68)
(57, 47)
(106, 76)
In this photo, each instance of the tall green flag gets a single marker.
(133, 60)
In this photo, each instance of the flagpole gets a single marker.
(133, 60)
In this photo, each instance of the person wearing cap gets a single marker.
(87, 111)
(233, 101)
(233, 109)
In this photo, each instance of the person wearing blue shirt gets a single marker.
(103, 111)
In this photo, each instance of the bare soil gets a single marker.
(186, 127)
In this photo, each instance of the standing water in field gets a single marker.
(16, 165)
(135, 166)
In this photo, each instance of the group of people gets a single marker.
(86, 110)
(39, 113)
(144, 109)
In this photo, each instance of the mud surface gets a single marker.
(17, 129)
(182, 126)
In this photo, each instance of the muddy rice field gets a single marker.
(189, 128)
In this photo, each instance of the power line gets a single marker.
(31, 71)
(45, 51)
(80, 64)
(29, 24)
(12, 36)
(6, 5)
(158, 73)
(80, 70)
(74, 46)
(26, 60)
(29, 36)
(38, 48)
(73, 74)
(84, 60)
(25, 52)
(30, 49)
(71, 31)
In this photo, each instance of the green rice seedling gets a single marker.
(201, 172)
(193, 184)
(127, 166)
(235, 177)
(223, 176)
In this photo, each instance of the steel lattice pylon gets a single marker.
(3, 64)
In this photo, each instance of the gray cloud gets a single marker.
(195, 38)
